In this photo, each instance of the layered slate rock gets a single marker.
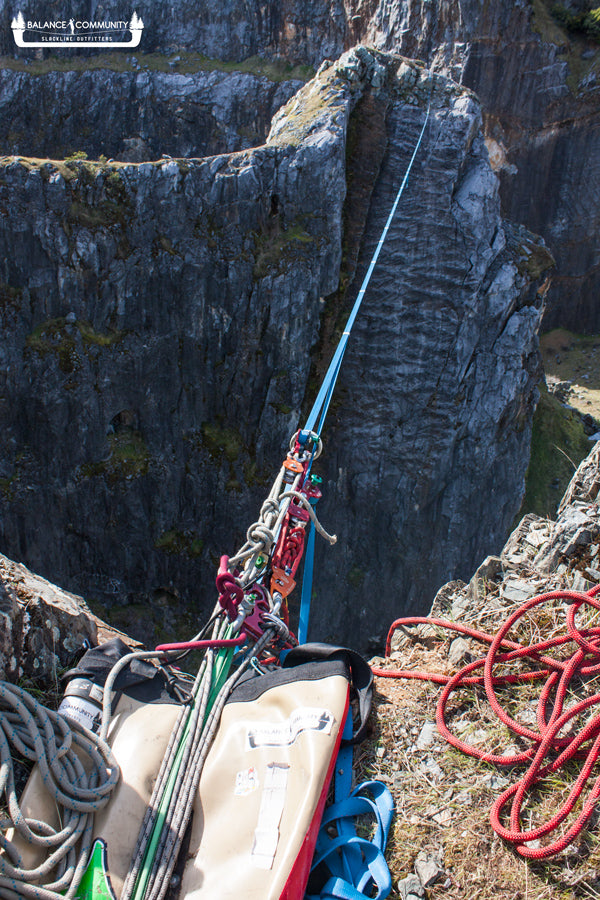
(540, 555)
(538, 83)
(148, 113)
(439, 381)
(540, 88)
(159, 320)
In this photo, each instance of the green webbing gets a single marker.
(221, 667)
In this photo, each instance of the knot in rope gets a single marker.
(261, 537)
(230, 592)
(270, 507)
(277, 625)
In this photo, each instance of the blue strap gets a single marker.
(307, 580)
(338, 889)
(357, 866)
(343, 765)
(321, 404)
(374, 871)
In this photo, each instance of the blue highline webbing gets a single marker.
(307, 577)
(321, 404)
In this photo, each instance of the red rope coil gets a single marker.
(548, 751)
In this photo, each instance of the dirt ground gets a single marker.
(443, 797)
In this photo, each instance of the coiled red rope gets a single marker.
(548, 751)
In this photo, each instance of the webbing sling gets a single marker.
(353, 867)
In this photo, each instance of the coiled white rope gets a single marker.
(78, 770)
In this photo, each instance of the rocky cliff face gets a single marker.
(538, 85)
(543, 135)
(540, 92)
(151, 112)
(159, 319)
(42, 627)
(434, 375)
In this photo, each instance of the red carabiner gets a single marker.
(230, 593)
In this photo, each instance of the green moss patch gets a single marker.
(76, 155)
(275, 70)
(7, 486)
(546, 24)
(586, 22)
(274, 248)
(55, 336)
(58, 336)
(325, 93)
(253, 475)
(163, 244)
(558, 444)
(10, 296)
(175, 541)
(183, 62)
(575, 358)
(282, 408)
(532, 256)
(222, 441)
(356, 577)
(99, 338)
(576, 31)
(128, 457)
(112, 209)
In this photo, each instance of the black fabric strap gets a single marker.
(141, 680)
(252, 686)
(361, 677)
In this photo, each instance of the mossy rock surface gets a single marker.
(128, 457)
(558, 444)
(175, 541)
(183, 62)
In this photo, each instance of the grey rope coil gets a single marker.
(79, 772)
(172, 837)
(201, 732)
